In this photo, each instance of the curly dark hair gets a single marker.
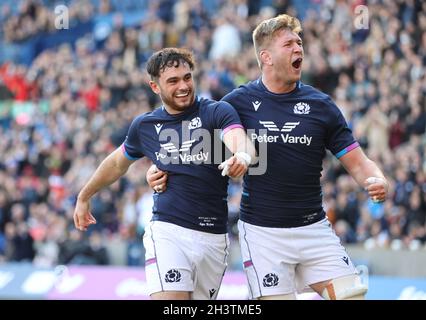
(168, 57)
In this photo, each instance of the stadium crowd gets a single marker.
(62, 114)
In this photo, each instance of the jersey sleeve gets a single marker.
(339, 138)
(233, 97)
(226, 118)
(132, 147)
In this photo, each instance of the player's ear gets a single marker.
(154, 87)
(265, 57)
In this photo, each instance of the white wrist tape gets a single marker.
(371, 180)
(244, 157)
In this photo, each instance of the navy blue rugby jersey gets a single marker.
(183, 145)
(298, 127)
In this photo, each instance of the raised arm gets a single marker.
(110, 170)
(366, 173)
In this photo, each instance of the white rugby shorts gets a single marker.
(280, 261)
(181, 259)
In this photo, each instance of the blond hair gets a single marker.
(266, 30)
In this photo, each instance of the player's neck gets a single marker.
(175, 111)
(172, 111)
(276, 85)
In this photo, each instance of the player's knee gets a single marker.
(345, 288)
(171, 295)
(290, 296)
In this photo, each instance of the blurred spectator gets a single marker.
(79, 251)
(226, 41)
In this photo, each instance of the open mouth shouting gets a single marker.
(297, 63)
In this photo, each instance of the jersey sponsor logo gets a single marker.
(256, 104)
(198, 157)
(170, 147)
(158, 127)
(195, 123)
(181, 153)
(296, 140)
(173, 275)
(346, 260)
(302, 108)
(288, 127)
(270, 280)
(271, 126)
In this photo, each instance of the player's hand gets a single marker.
(377, 188)
(236, 166)
(156, 179)
(82, 215)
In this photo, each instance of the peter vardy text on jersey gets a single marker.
(286, 138)
(201, 157)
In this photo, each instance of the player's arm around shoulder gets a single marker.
(156, 179)
(366, 173)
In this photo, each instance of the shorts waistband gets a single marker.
(187, 232)
(290, 222)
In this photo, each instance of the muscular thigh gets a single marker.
(211, 264)
(183, 260)
(322, 256)
(269, 260)
(168, 264)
